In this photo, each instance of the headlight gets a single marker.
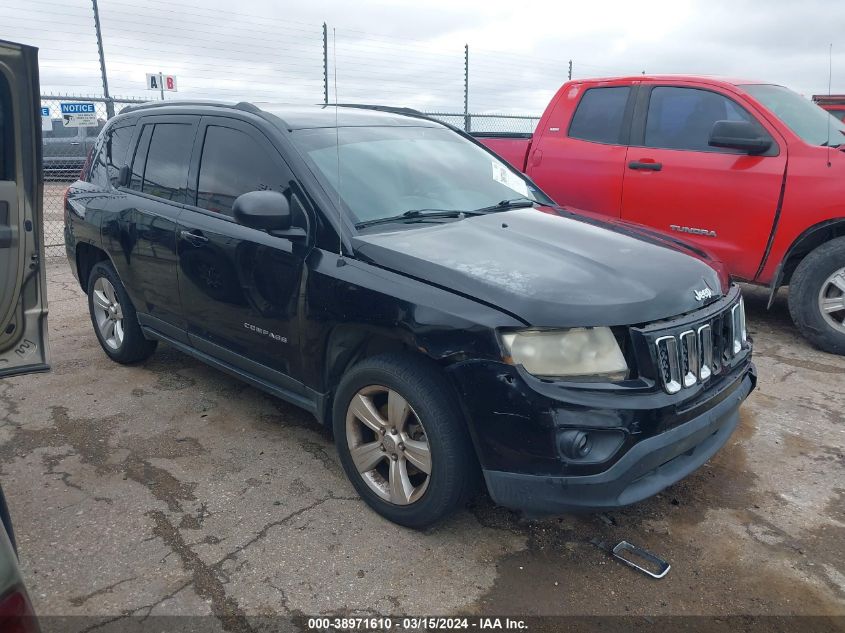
(576, 353)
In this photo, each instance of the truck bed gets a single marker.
(513, 147)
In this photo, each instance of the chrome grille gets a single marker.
(695, 355)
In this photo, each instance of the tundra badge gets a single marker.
(693, 231)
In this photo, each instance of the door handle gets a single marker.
(194, 237)
(75, 143)
(638, 164)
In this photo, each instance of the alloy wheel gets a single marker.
(832, 300)
(108, 313)
(388, 445)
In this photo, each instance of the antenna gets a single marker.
(829, 83)
(340, 261)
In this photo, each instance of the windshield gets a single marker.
(387, 171)
(800, 115)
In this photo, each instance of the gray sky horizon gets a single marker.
(412, 54)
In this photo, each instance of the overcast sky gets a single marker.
(411, 53)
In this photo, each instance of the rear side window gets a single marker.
(111, 157)
(600, 115)
(116, 148)
(233, 163)
(839, 114)
(140, 160)
(682, 118)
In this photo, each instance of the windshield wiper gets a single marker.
(514, 203)
(413, 214)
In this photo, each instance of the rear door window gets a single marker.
(166, 171)
(233, 163)
(600, 115)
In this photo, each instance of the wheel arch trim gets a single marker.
(812, 237)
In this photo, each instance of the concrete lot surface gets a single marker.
(171, 488)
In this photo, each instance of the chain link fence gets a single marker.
(489, 123)
(66, 150)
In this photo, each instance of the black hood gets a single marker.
(551, 270)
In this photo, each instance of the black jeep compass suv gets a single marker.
(393, 277)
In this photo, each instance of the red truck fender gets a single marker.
(808, 240)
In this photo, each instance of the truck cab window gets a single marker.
(682, 118)
(233, 163)
(600, 115)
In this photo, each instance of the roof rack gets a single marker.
(397, 110)
(243, 105)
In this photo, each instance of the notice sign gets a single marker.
(79, 115)
(46, 122)
(157, 81)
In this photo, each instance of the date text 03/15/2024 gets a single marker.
(410, 623)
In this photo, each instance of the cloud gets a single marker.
(409, 53)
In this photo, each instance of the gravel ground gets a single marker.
(171, 488)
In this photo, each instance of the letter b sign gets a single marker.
(156, 81)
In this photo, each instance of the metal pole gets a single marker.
(570, 70)
(109, 102)
(161, 83)
(325, 64)
(467, 118)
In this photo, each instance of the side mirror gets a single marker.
(740, 135)
(263, 210)
(123, 176)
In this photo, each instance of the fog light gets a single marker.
(590, 446)
(575, 444)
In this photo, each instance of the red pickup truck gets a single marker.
(750, 172)
(835, 104)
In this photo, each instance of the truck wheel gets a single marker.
(817, 296)
(114, 318)
(402, 439)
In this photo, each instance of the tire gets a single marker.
(819, 279)
(433, 419)
(126, 344)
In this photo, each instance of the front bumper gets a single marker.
(516, 422)
(647, 468)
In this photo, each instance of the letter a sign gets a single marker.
(157, 81)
